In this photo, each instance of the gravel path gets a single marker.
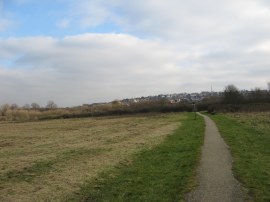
(216, 181)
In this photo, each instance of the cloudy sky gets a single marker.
(85, 51)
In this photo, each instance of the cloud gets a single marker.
(101, 67)
(5, 24)
(263, 47)
(191, 24)
(168, 46)
(84, 68)
(208, 23)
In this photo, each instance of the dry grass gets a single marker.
(48, 160)
(257, 120)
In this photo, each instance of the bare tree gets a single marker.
(51, 105)
(4, 109)
(256, 95)
(14, 106)
(35, 105)
(268, 84)
(232, 95)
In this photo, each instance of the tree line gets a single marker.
(230, 100)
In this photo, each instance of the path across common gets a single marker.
(215, 177)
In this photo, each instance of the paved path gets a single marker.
(215, 178)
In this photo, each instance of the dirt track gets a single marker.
(215, 178)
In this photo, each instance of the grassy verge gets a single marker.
(164, 173)
(249, 137)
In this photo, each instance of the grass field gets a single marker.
(248, 135)
(51, 160)
(164, 173)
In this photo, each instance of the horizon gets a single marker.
(127, 98)
(89, 51)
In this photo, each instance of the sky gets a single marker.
(85, 51)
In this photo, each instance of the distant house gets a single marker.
(174, 101)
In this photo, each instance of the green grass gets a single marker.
(249, 139)
(164, 173)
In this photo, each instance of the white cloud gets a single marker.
(196, 22)
(101, 67)
(260, 47)
(85, 68)
(191, 24)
